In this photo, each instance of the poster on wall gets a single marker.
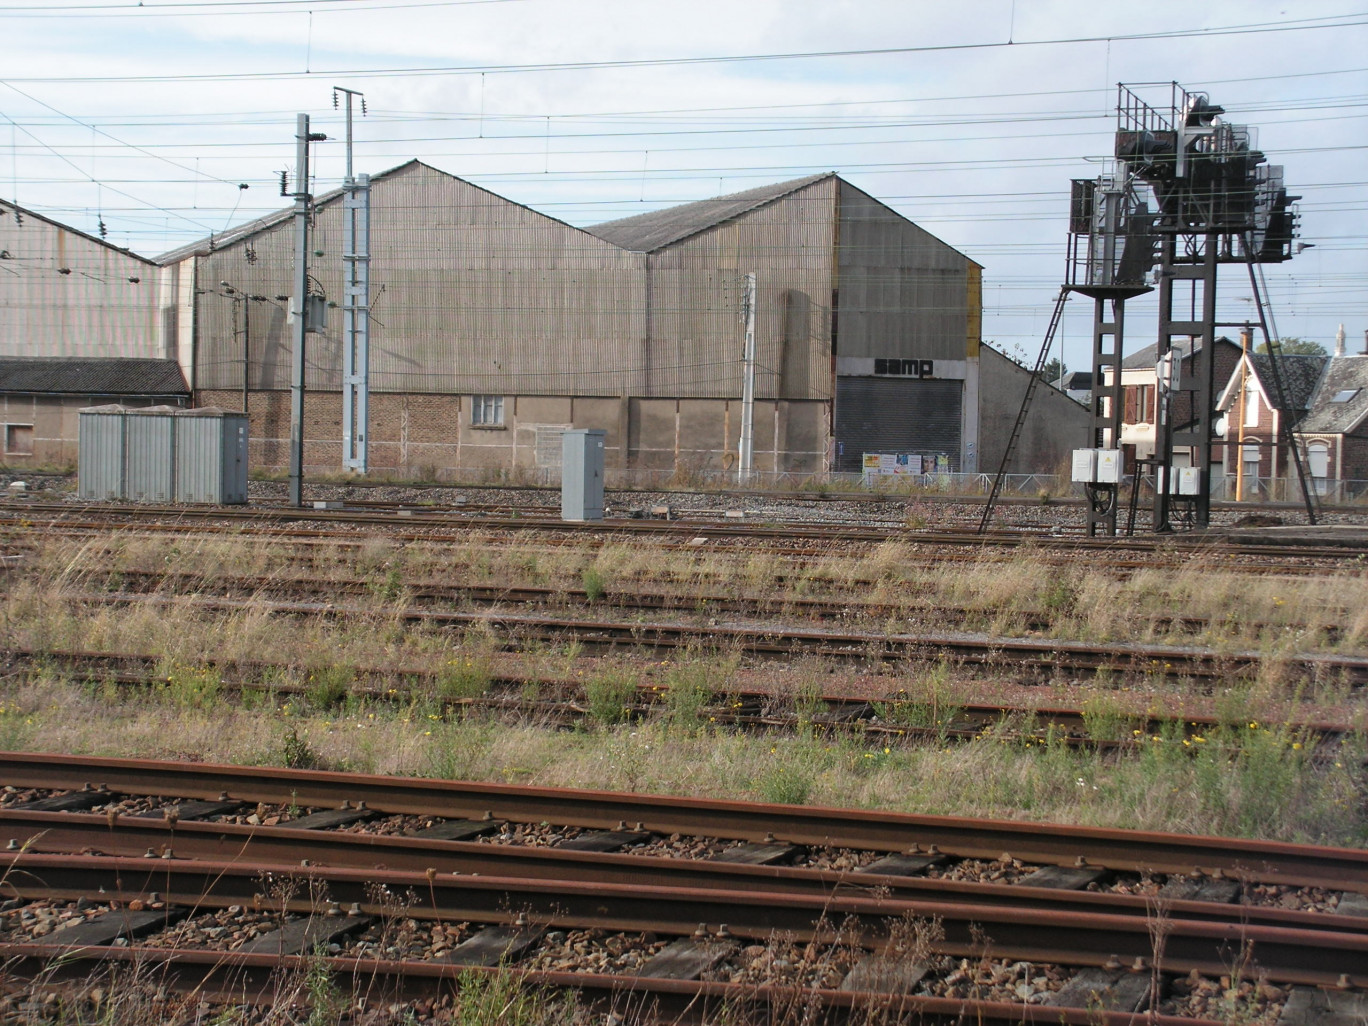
(881, 463)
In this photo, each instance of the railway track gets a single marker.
(841, 607)
(1117, 850)
(402, 522)
(893, 713)
(630, 930)
(1027, 656)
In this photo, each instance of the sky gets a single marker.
(969, 118)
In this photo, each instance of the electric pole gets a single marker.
(743, 463)
(355, 304)
(299, 304)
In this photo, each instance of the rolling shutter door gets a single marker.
(896, 415)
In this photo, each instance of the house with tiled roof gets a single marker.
(1324, 399)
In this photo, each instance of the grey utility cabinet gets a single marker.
(161, 454)
(211, 456)
(100, 453)
(582, 474)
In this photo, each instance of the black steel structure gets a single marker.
(1188, 193)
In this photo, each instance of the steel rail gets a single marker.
(1024, 654)
(1311, 957)
(285, 847)
(835, 607)
(232, 977)
(876, 714)
(821, 532)
(1053, 844)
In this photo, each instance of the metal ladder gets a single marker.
(1289, 439)
(1034, 380)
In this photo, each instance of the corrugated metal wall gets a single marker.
(890, 415)
(100, 459)
(93, 310)
(471, 293)
(149, 456)
(696, 293)
(903, 292)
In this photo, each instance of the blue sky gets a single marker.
(147, 117)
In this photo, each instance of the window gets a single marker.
(1251, 410)
(1318, 459)
(1318, 463)
(486, 410)
(19, 439)
(1346, 395)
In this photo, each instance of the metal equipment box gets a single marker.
(100, 453)
(1097, 466)
(582, 474)
(211, 456)
(149, 454)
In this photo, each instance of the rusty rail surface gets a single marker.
(453, 517)
(564, 700)
(1052, 844)
(1286, 955)
(285, 847)
(1027, 655)
(234, 978)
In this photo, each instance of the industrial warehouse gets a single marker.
(681, 580)
(494, 328)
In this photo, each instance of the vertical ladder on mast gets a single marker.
(1031, 384)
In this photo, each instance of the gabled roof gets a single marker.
(1342, 374)
(73, 375)
(7, 205)
(249, 228)
(1299, 373)
(1146, 358)
(645, 233)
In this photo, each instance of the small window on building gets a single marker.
(486, 410)
(1346, 395)
(1318, 459)
(19, 439)
(1251, 410)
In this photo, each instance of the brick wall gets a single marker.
(433, 433)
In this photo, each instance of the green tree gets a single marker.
(1053, 370)
(1294, 346)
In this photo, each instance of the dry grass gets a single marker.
(1247, 782)
(1076, 601)
(1242, 781)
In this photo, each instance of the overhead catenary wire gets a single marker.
(1251, 28)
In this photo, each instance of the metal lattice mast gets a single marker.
(355, 306)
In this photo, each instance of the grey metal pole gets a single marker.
(299, 308)
(747, 446)
(246, 347)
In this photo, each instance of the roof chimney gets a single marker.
(1339, 341)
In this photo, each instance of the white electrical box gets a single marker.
(1185, 480)
(1109, 466)
(1097, 466)
(1085, 465)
